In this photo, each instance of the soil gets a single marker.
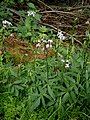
(23, 51)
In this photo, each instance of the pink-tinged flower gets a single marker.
(38, 45)
(48, 46)
(50, 41)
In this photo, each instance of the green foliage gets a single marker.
(45, 89)
(4, 14)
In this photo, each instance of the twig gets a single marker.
(15, 12)
(48, 25)
(61, 26)
(45, 5)
(77, 8)
(55, 11)
(78, 41)
(60, 8)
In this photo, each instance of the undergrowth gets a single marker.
(54, 88)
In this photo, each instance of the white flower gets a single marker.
(50, 41)
(4, 26)
(60, 35)
(48, 46)
(31, 13)
(6, 23)
(19, 65)
(62, 60)
(11, 35)
(67, 61)
(38, 45)
(60, 55)
(66, 65)
(43, 49)
(87, 23)
(39, 41)
(26, 54)
(44, 41)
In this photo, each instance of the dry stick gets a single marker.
(55, 11)
(62, 26)
(56, 29)
(60, 8)
(45, 5)
(77, 8)
(15, 12)
(48, 25)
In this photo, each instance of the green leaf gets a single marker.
(31, 6)
(19, 87)
(82, 64)
(76, 90)
(78, 78)
(62, 88)
(36, 103)
(65, 97)
(21, 1)
(87, 86)
(37, 17)
(16, 92)
(50, 91)
(73, 96)
(43, 29)
(27, 23)
(14, 73)
(28, 34)
(60, 108)
(43, 101)
(18, 82)
(47, 96)
(86, 75)
(12, 89)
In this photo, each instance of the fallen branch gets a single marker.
(45, 5)
(15, 12)
(77, 8)
(68, 9)
(55, 11)
(48, 25)
(60, 8)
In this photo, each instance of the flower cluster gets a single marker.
(38, 45)
(67, 63)
(31, 13)
(47, 44)
(60, 35)
(6, 23)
